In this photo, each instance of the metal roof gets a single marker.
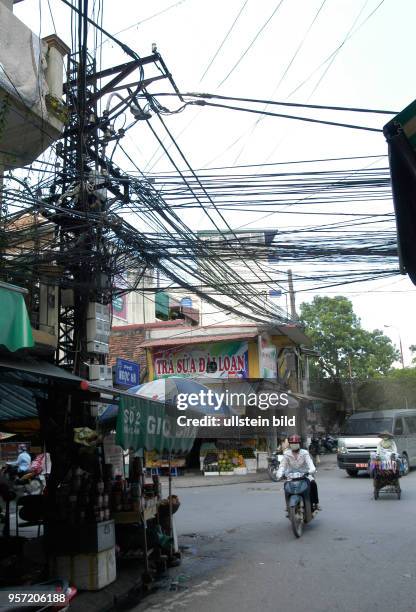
(18, 402)
(37, 367)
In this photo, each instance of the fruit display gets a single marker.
(230, 459)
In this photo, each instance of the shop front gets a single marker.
(98, 512)
(237, 363)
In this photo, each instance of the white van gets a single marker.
(360, 436)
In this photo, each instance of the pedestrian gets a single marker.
(314, 451)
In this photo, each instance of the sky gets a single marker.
(355, 53)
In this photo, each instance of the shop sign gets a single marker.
(127, 373)
(215, 360)
(119, 307)
(267, 357)
(113, 454)
(144, 424)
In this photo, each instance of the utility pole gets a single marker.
(291, 295)
(400, 343)
(351, 385)
(86, 188)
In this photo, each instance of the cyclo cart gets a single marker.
(386, 470)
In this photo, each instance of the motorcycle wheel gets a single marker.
(297, 518)
(272, 474)
(35, 487)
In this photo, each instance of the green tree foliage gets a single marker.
(396, 390)
(347, 350)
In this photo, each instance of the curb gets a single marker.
(217, 484)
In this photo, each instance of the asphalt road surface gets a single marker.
(358, 555)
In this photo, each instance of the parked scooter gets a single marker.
(28, 484)
(329, 444)
(273, 465)
(298, 501)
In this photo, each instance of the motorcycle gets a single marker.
(273, 465)
(298, 501)
(28, 484)
(330, 444)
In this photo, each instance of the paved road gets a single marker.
(359, 555)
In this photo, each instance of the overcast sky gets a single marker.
(349, 53)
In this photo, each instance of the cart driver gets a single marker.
(387, 443)
(297, 459)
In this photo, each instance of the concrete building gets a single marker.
(31, 86)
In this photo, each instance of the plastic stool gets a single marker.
(153, 471)
(174, 471)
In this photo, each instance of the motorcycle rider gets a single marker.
(23, 461)
(297, 459)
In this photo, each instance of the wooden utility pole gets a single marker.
(291, 295)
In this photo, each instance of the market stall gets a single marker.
(228, 457)
(144, 425)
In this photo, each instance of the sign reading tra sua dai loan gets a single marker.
(217, 360)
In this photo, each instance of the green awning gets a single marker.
(15, 329)
(145, 424)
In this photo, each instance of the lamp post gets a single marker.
(400, 343)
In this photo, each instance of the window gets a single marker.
(411, 424)
(398, 428)
(371, 426)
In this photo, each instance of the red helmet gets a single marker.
(295, 439)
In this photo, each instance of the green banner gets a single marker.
(15, 330)
(144, 424)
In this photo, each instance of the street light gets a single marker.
(400, 343)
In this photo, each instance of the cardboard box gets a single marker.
(86, 538)
(86, 572)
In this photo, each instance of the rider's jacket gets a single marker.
(296, 462)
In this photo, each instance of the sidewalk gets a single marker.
(195, 479)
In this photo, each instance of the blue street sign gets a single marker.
(275, 292)
(127, 373)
